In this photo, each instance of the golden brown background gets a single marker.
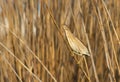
(33, 47)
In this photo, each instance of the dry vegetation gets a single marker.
(33, 46)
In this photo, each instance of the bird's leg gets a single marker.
(75, 59)
(79, 61)
(72, 55)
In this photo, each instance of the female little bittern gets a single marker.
(76, 45)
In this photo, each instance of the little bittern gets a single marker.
(76, 45)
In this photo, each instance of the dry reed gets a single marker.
(33, 46)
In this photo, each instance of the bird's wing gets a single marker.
(72, 42)
(81, 47)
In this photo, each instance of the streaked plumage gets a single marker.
(76, 45)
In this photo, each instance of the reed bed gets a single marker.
(33, 47)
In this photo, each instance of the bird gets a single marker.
(75, 44)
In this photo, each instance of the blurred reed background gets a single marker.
(33, 47)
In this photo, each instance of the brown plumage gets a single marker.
(76, 45)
